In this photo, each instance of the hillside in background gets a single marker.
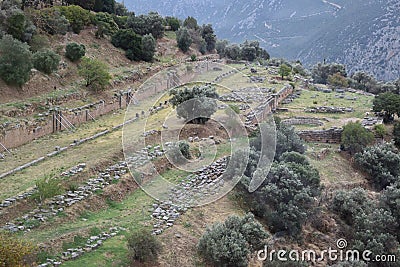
(360, 34)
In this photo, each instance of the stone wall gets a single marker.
(304, 121)
(332, 135)
(26, 131)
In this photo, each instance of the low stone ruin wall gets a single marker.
(304, 121)
(332, 135)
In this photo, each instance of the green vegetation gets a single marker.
(382, 162)
(284, 70)
(196, 104)
(46, 61)
(143, 246)
(321, 72)
(184, 40)
(151, 23)
(14, 251)
(355, 137)
(389, 104)
(15, 61)
(247, 51)
(51, 21)
(230, 243)
(95, 73)
(77, 17)
(47, 187)
(74, 51)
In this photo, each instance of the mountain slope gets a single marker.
(363, 34)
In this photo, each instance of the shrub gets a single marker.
(51, 21)
(47, 187)
(355, 137)
(128, 40)
(15, 61)
(39, 42)
(179, 152)
(95, 73)
(185, 149)
(46, 61)
(105, 24)
(349, 204)
(15, 252)
(143, 246)
(183, 38)
(396, 134)
(382, 162)
(229, 243)
(149, 47)
(77, 17)
(390, 201)
(376, 231)
(145, 24)
(74, 51)
(173, 22)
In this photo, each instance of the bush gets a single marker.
(229, 243)
(46, 61)
(15, 252)
(287, 140)
(349, 204)
(95, 73)
(173, 22)
(382, 162)
(128, 40)
(74, 51)
(149, 47)
(376, 232)
(51, 21)
(151, 23)
(15, 61)
(39, 42)
(390, 201)
(47, 187)
(105, 24)
(183, 38)
(143, 246)
(355, 137)
(78, 17)
(396, 134)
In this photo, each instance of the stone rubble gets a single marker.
(331, 109)
(12, 200)
(92, 243)
(191, 190)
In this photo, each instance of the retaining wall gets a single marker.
(332, 135)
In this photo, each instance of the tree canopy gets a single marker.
(15, 61)
(196, 104)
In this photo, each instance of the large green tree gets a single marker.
(145, 24)
(183, 39)
(284, 70)
(149, 47)
(320, 72)
(15, 61)
(389, 103)
(95, 73)
(209, 37)
(355, 137)
(196, 104)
